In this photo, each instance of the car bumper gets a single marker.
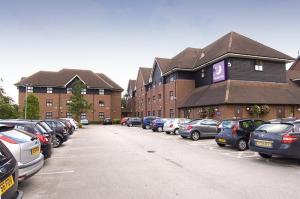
(285, 150)
(47, 150)
(185, 133)
(29, 169)
(228, 140)
(169, 129)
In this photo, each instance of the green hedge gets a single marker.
(116, 121)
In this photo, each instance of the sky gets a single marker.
(116, 37)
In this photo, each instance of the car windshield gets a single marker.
(46, 126)
(3, 155)
(274, 128)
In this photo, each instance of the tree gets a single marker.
(78, 104)
(8, 109)
(124, 102)
(33, 107)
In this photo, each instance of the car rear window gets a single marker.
(46, 126)
(195, 122)
(274, 128)
(227, 124)
(40, 129)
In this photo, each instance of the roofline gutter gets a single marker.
(225, 56)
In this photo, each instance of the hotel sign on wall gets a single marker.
(219, 72)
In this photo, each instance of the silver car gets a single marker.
(172, 125)
(26, 149)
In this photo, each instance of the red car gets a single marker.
(124, 120)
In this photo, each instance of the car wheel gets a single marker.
(263, 155)
(147, 127)
(57, 142)
(176, 131)
(130, 125)
(153, 130)
(195, 136)
(242, 145)
(168, 133)
(221, 145)
(160, 129)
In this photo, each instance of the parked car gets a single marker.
(72, 121)
(26, 149)
(124, 121)
(61, 135)
(281, 139)
(158, 124)
(35, 128)
(134, 121)
(68, 126)
(236, 132)
(199, 128)
(107, 121)
(84, 121)
(172, 125)
(146, 123)
(9, 175)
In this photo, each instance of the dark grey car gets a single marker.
(199, 128)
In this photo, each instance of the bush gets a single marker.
(80, 125)
(95, 122)
(116, 121)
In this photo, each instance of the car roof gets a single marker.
(18, 121)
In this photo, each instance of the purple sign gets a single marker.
(219, 72)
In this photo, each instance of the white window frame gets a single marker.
(69, 102)
(101, 104)
(172, 96)
(48, 115)
(49, 102)
(83, 91)
(83, 116)
(101, 91)
(69, 90)
(29, 89)
(49, 90)
(258, 66)
(69, 115)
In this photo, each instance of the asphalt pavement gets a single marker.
(115, 162)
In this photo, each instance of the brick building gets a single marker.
(232, 77)
(54, 90)
(129, 111)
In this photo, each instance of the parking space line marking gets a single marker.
(57, 172)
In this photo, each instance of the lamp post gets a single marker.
(26, 85)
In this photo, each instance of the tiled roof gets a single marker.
(146, 72)
(243, 92)
(64, 76)
(296, 65)
(131, 84)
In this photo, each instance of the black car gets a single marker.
(8, 175)
(134, 121)
(281, 139)
(61, 134)
(68, 126)
(107, 121)
(37, 129)
(236, 132)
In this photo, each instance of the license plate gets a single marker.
(264, 144)
(222, 140)
(6, 184)
(35, 151)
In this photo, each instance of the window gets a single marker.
(202, 73)
(101, 115)
(171, 113)
(101, 103)
(153, 99)
(159, 97)
(69, 115)
(149, 113)
(48, 115)
(258, 65)
(172, 78)
(153, 113)
(49, 103)
(69, 90)
(49, 90)
(172, 95)
(101, 91)
(83, 91)
(69, 102)
(29, 89)
(159, 113)
(83, 116)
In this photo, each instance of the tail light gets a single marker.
(288, 139)
(189, 127)
(42, 138)
(235, 129)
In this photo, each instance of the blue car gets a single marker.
(158, 125)
(281, 139)
(146, 124)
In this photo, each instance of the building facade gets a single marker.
(54, 90)
(232, 77)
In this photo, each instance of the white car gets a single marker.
(72, 121)
(26, 149)
(84, 121)
(172, 125)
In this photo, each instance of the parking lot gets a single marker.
(118, 162)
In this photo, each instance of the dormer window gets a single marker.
(29, 89)
(83, 91)
(69, 90)
(101, 91)
(49, 90)
(202, 73)
(258, 65)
